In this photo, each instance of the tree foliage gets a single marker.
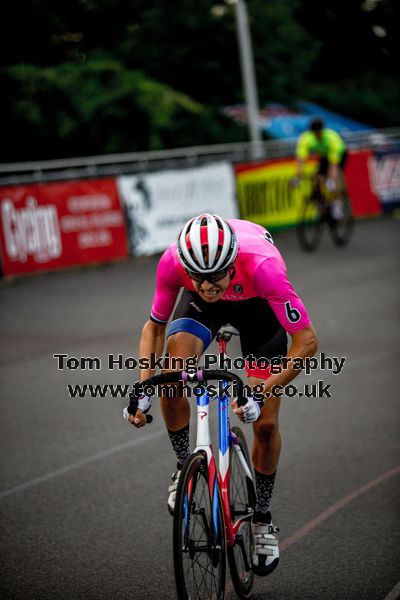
(99, 107)
(97, 76)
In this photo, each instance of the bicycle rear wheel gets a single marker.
(341, 229)
(309, 228)
(199, 544)
(242, 501)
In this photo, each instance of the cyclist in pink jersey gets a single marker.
(230, 272)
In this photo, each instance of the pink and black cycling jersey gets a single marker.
(259, 272)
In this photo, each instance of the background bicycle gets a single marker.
(321, 207)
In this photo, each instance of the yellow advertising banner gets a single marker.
(265, 195)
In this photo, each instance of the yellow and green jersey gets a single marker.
(330, 146)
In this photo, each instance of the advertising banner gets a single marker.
(364, 201)
(60, 224)
(266, 197)
(384, 170)
(157, 205)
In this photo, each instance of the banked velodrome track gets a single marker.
(83, 495)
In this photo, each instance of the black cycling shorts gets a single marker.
(324, 164)
(261, 334)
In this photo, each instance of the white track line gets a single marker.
(80, 463)
(394, 594)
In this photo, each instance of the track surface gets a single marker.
(83, 495)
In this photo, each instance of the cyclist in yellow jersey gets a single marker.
(331, 149)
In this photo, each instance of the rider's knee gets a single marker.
(265, 427)
(184, 344)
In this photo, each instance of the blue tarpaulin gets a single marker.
(286, 123)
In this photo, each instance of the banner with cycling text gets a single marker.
(52, 225)
(157, 205)
(266, 196)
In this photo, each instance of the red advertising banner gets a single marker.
(363, 198)
(52, 225)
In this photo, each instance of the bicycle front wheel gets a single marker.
(309, 228)
(341, 228)
(242, 501)
(199, 535)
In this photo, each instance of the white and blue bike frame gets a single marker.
(219, 479)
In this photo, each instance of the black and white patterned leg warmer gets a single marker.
(180, 443)
(264, 489)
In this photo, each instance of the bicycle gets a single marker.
(214, 504)
(317, 209)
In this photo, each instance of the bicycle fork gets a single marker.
(203, 444)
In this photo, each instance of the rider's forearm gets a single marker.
(151, 342)
(304, 344)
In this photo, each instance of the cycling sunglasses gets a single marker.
(210, 277)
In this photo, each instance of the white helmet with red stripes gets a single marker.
(207, 244)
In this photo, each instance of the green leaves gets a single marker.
(95, 107)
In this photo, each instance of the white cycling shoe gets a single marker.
(172, 492)
(266, 549)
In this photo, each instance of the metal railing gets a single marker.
(139, 162)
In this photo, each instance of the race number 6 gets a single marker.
(292, 313)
